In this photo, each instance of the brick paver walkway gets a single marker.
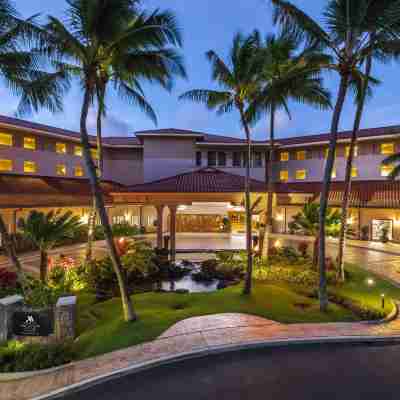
(192, 335)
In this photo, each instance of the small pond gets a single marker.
(188, 283)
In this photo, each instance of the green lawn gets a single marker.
(102, 329)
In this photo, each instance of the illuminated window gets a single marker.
(334, 173)
(94, 153)
(347, 151)
(354, 172)
(284, 175)
(61, 148)
(386, 170)
(301, 174)
(301, 155)
(6, 165)
(30, 167)
(78, 151)
(61, 169)
(285, 156)
(29, 143)
(79, 171)
(6, 139)
(387, 149)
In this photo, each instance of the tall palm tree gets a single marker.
(112, 35)
(45, 231)
(238, 81)
(21, 72)
(346, 40)
(288, 74)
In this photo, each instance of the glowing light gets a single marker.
(370, 282)
(280, 217)
(85, 219)
(182, 208)
(121, 240)
(278, 244)
(350, 220)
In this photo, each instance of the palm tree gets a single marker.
(393, 161)
(238, 81)
(21, 72)
(287, 74)
(113, 36)
(45, 231)
(347, 40)
(307, 222)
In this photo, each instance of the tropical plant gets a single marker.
(46, 231)
(238, 81)
(348, 42)
(288, 73)
(307, 222)
(110, 38)
(21, 73)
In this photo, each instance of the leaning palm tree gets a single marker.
(21, 72)
(112, 35)
(288, 74)
(346, 40)
(238, 81)
(45, 231)
(393, 161)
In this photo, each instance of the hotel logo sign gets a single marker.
(32, 323)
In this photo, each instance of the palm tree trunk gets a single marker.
(315, 252)
(11, 251)
(249, 227)
(344, 83)
(129, 314)
(44, 260)
(349, 167)
(91, 232)
(270, 186)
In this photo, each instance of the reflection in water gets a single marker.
(187, 283)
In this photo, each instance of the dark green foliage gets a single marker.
(19, 357)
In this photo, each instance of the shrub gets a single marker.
(66, 277)
(125, 229)
(19, 357)
(41, 295)
(294, 276)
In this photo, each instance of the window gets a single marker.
(237, 159)
(347, 151)
(257, 160)
(301, 174)
(284, 175)
(61, 148)
(386, 170)
(6, 165)
(221, 159)
(245, 157)
(79, 171)
(78, 151)
(354, 172)
(6, 139)
(334, 173)
(387, 148)
(199, 158)
(29, 143)
(61, 170)
(212, 158)
(30, 167)
(301, 155)
(94, 153)
(284, 156)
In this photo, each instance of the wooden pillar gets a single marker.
(140, 216)
(172, 230)
(160, 214)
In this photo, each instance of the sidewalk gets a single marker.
(194, 336)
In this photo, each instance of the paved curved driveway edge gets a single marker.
(194, 337)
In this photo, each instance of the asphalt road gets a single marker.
(303, 373)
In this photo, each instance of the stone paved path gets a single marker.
(192, 335)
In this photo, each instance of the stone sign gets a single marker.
(33, 323)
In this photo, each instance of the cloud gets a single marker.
(112, 125)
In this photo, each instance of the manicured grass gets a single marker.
(102, 328)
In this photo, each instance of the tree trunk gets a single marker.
(270, 186)
(249, 227)
(91, 232)
(349, 167)
(11, 251)
(323, 297)
(315, 252)
(44, 260)
(128, 310)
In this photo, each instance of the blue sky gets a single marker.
(211, 24)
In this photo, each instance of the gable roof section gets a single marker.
(206, 180)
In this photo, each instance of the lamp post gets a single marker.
(383, 300)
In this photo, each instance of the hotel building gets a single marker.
(193, 180)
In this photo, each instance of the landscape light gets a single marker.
(370, 282)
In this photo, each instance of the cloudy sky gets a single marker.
(211, 24)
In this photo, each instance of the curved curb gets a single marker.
(389, 318)
(215, 350)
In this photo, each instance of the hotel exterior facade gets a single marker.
(193, 178)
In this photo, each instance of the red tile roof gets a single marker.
(207, 180)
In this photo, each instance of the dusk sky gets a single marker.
(211, 24)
